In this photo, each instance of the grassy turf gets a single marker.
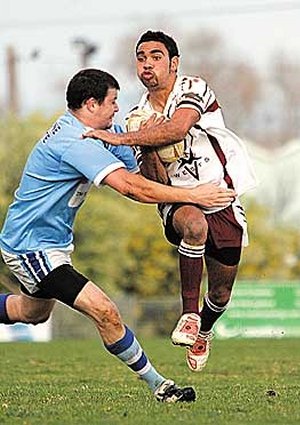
(253, 382)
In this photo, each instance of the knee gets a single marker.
(107, 314)
(95, 304)
(35, 318)
(195, 231)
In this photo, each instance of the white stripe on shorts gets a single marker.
(32, 267)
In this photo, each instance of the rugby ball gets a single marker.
(168, 153)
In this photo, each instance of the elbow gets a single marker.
(134, 186)
(140, 191)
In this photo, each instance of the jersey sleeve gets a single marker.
(196, 94)
(126, 155)
(92, 159)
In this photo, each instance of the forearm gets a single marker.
(138, 188)
(143, 190)
(171, 131)
(161, 135)
(151, 166)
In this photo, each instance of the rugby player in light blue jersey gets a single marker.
(37, 236)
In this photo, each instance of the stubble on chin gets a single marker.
(150, 84)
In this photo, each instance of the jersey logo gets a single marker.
(191, 165)
(79, 195)
(53, 130)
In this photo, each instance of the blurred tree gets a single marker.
(273, 251)
(119, 244)
(285, 75)
(124, 57)
(236, 83)
(16, 140)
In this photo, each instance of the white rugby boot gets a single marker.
(197, 355)
(186, 330)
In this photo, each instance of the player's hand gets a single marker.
(105, 136)
(154, 120)
(212, 196)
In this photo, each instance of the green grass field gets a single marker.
(253, 382)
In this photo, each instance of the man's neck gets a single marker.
(80, 116)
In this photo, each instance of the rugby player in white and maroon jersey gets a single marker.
(210, 153)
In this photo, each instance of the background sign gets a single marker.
(262, 310)
(23, 332)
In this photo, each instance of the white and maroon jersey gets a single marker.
(212, 153)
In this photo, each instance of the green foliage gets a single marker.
(77, 382)
(17, 137)
(120, 245)
(273, 251)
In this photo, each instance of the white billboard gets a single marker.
(26, 332)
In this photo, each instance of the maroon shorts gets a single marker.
(224, 238)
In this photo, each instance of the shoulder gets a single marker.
(191, 82)
(64, 131)
(57, 138)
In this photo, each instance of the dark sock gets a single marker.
(210, 313)
(191, 268)
(3, 312)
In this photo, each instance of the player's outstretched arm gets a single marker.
(138, 188)
(170, 131)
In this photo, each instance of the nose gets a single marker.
(116, 108)
(148, 64)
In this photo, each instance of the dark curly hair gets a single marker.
(163, 38)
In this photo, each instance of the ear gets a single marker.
(174, 63)
(91, 104)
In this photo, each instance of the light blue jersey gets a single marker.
(56, 178)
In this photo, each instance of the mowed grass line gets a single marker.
(253, 382)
